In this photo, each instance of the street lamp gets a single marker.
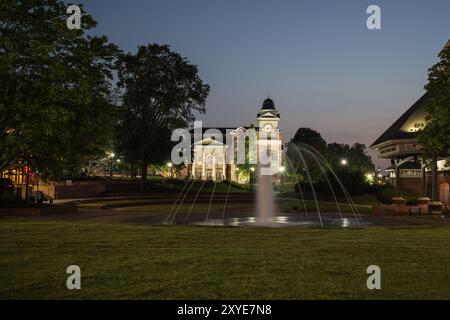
(344, 162)
(170, 165)
(369, 178)
(111, 156)
(252, 170)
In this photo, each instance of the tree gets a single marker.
(435, 137)
(311, 138)
(55, 105)
(161, 92)
(356, 158)
(299, 161)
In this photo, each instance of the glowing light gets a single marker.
(169, 164)
(252, 169)
(344, 162)
(281, 169)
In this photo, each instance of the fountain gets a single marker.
(265, 202)
(267, 214)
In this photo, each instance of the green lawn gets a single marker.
(188, 262)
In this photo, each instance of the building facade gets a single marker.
(216, 157)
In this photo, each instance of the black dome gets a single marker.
(268, 104)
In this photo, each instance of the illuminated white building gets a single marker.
(215, 159)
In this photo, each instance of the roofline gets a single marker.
(388, 142)
(402, 118)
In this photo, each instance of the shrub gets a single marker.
(412, 201)
(353, 181)
(385, 193)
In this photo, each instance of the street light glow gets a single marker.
(252, 169)
(112, 155)
(169, 164)
(344, 162)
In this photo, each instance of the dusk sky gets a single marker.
(322, 66)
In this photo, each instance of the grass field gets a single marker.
(187, 262)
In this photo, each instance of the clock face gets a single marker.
(268, 128)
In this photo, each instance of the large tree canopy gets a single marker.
(54, 86)
(161, 92)
(435, 137)
(355, 156)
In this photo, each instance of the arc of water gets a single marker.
(175, 203)
(299, 187)
(324, 172)
(347, 195)
(210, 201)
(195, 199)
(226, 201)
(321, 158)
(353, 206)
(312, 187)
(181, 202)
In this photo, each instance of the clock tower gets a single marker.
(268, 117)
(269, 138)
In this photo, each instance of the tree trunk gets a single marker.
(434, 195)
(144, 173)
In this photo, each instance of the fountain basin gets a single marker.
(284, 221)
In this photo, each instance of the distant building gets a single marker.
(210, 161)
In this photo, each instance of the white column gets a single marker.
(223, 169)
(214, 168)
(203, 166)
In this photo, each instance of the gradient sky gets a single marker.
(322, 66)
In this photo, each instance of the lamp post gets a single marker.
(111, 157)
(170, 165)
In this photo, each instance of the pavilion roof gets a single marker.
(409, 122)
